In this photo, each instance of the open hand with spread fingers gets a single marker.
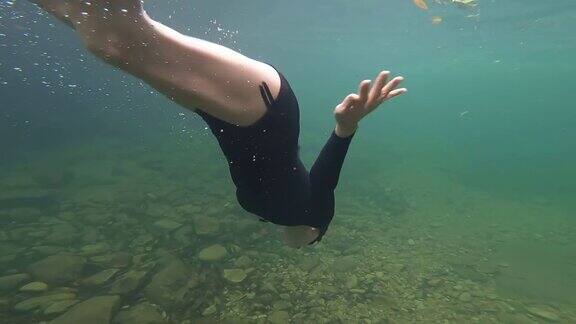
(369, 97)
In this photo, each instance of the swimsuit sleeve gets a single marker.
(325, 172)
(324, 177)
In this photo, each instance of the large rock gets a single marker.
(205, 225)
(115, 260)
(60, 307)
(46, 250)
(24, 235)
(58, 269)
(213, 253)
(24, 215)
(54, 178)
(544, 312)
(62, 234)
(94, 249)
(128, 283)
(243, 262)
(345, 264)
(169, 287)
(4, 305)
(11, 282)
(96, 310)
(279, 317)
(143, 313)
(235, 275)
(100, 278)
(184, 235)
(210, 310)
(308, 263)
(42, 302)
(166, 225)
(36, 286)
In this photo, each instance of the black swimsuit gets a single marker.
(271, 180)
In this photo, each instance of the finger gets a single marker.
(378, 85)
(349, 101)
(396, 92)
(391, 86)
(355, 102)
(363, 90)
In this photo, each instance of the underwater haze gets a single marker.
(455, 204)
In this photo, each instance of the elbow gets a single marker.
(299, 236)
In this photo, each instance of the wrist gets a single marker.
(345, 130)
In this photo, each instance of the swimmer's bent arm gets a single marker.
(325, 172)
(354, 107)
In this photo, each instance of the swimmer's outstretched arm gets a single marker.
(190, 71)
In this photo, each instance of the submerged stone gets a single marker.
(213, 253)
(62, 234)
(183, 235)
(94, 249)
(310, 262)
(345, 264)
(143, 313)
(47, 249)
(96, 310)
(41, 302)
(60, 307)
(281, 305)
(100, 278)
(128, 283)
(171, 285)
(434, 282)
(166, 225)
(243, 262)
(24, 214)
(35, 286)
(57, 269)
(4, 305)
(210, 310)
(235, 275)
(351, 282)
(204, 225)
(116, 260)
(544, 312)
(465, 297)
(279, 317)
(11, 282)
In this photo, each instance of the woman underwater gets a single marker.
(248, 105)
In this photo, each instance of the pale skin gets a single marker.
(198, 74)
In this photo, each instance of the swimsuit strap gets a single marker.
(266, 94)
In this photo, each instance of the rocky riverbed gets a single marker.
(129, 239)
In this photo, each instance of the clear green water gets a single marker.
(455, 204)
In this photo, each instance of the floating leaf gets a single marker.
(437, 20)
(466, 3)
(421, 4)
